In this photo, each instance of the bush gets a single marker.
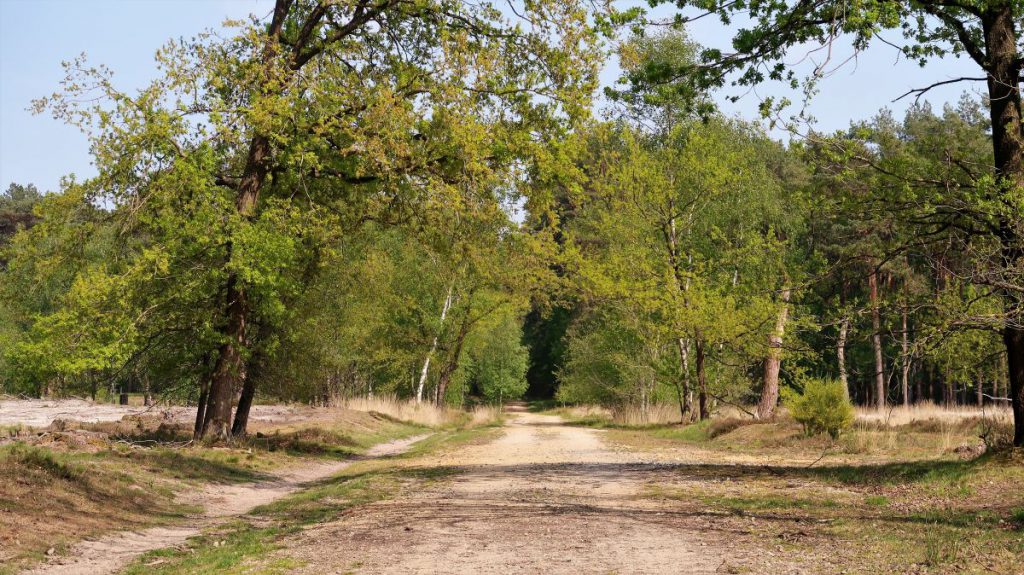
(822, 408)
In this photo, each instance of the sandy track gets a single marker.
(113, 552)
(542, 498)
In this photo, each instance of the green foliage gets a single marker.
(423, 117)
(16, 209)
(822, 407)
(498, 362)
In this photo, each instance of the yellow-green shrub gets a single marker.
(822, 407)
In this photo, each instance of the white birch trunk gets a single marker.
(433, 347)
(844, 327)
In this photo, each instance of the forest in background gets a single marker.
(415, 199)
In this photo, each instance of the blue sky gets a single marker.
(36, 35)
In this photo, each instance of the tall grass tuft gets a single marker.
(655, 414)
(426, 414)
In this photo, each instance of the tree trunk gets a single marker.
(981, 389)
(876, 340)
(204, 389)
(702, 387)
(683, 392)
(844, 327)
(452, 364)
(229, 368)
(1004, 68)
(773, 363)
(905, 361)
(433, 346)
(147, 392)
(1014, 340)
(247, 394)
(682, 283)
(949, 394)
(239, 427)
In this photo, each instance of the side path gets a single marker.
(543, 497)
(115, 551)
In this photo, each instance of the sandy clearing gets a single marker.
(542, 498)
(43, 412)
(220, 502)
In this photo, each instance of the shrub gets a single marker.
(822, 407)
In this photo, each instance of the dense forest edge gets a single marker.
(361, 199)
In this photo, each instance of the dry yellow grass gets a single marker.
(656, 414)
(931, 412)
(425, 413)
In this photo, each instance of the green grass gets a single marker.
(56, 465)
(1017, 516)
(226, 553)
(767, 503)
(876, 501)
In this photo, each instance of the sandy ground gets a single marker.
(42, 412)
(113, 552)
(542, 498)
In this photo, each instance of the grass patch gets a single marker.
(941, 473)
(227, 552)
(50, 463)
(749, 504)
(1017, 516)
(876, 501)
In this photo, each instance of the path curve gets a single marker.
(112, 552)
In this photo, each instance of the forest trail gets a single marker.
(544, 497)
(110, 553)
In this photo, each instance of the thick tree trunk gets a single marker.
(1004, 69)
(702, 382)
(844, 328)
(247, 395)
(240, 426)
(229, 368)
(876, 340)
(773, 362)
(433, 346)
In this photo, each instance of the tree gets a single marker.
(986, 31)
(498, 362)
(16, 209)
(267, 143)
(673, 241)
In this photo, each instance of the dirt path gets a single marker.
(543, 498)
(113, 552)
